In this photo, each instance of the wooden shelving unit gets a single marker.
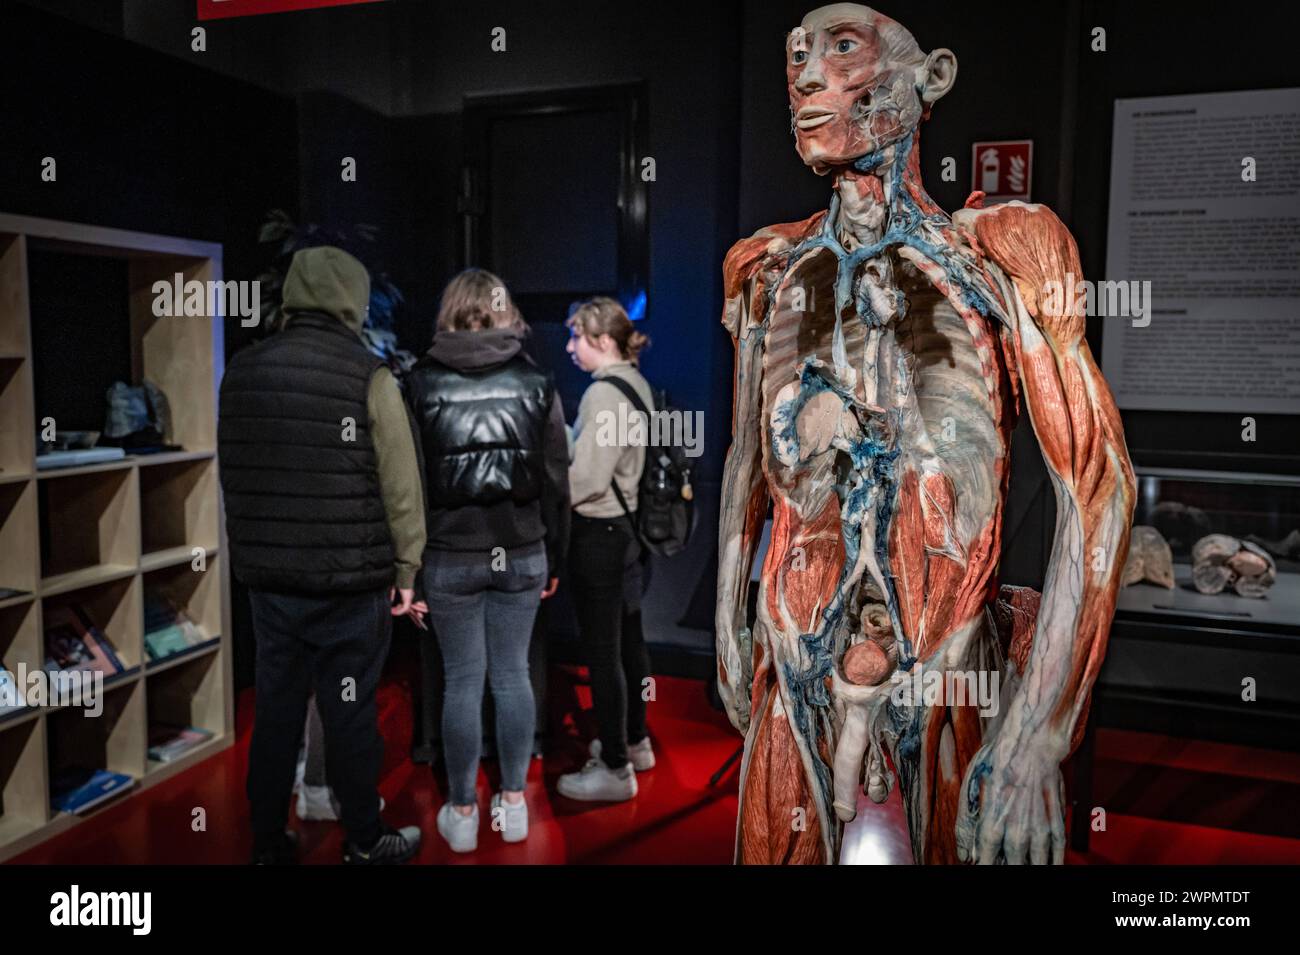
(101, 535)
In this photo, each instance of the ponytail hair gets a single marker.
(604, 316)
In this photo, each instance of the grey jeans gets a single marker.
(482, 606)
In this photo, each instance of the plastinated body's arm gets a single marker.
(1013, 806)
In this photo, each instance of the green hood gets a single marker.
(326, 279)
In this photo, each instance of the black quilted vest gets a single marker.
(483, 431)
(303, 506)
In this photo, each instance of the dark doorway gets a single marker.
(553, 201)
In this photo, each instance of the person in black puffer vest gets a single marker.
(496, 475)
(325, 517)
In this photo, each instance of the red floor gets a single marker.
(1168, 801)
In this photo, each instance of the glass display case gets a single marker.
(1186, 506)
(1217, 665)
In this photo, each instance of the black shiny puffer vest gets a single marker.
(483, 431)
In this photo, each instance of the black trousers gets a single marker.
(336, 645)
(605, 573)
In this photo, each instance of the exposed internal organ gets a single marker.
(873, 656)
(1149, 558)
(1220, 562)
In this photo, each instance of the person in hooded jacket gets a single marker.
(496, 479)
(325, 518)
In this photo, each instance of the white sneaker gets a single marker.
(513, 824)
(596, 782)
(460, 831)
(317, 804)
(639, 754)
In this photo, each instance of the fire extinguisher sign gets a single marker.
(1002, 170)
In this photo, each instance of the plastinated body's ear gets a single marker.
(937, 75)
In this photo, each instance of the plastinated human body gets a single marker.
(883, 353)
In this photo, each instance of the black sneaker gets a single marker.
(280, 851)
(393, 847)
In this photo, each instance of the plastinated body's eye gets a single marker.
(845, 46)
(799, 57)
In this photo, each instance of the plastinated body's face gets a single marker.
(852, 75)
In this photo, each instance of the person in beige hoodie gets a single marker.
(604, 553)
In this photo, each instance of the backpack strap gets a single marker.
(629, 392)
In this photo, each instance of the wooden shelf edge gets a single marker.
(104, 239)
(206, 648)
(86, 577)
(14, 477)
(121, 464)
(171, 457)
(11, 718)
(157, 771)
(172, 556)
(111, 684)
(16, 600)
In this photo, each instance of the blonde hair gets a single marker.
(476, 300)
(604, 316)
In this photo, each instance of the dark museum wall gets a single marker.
(188, 153)
(152, 135)
(1212, 56)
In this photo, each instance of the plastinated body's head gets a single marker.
(858, 82)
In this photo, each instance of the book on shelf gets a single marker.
(79, 789)
(77, 457)
(167, 628)
(73, 642)
(167, 743)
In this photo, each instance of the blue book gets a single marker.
(79, 790)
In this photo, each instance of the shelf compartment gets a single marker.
(117, 609)
(115, 740)
(195, 593)
(89, 523)
(189, 694)
(24, 805)
(176, 353)
(178, 506)
(19, 532)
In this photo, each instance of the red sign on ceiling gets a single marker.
(221, 9)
